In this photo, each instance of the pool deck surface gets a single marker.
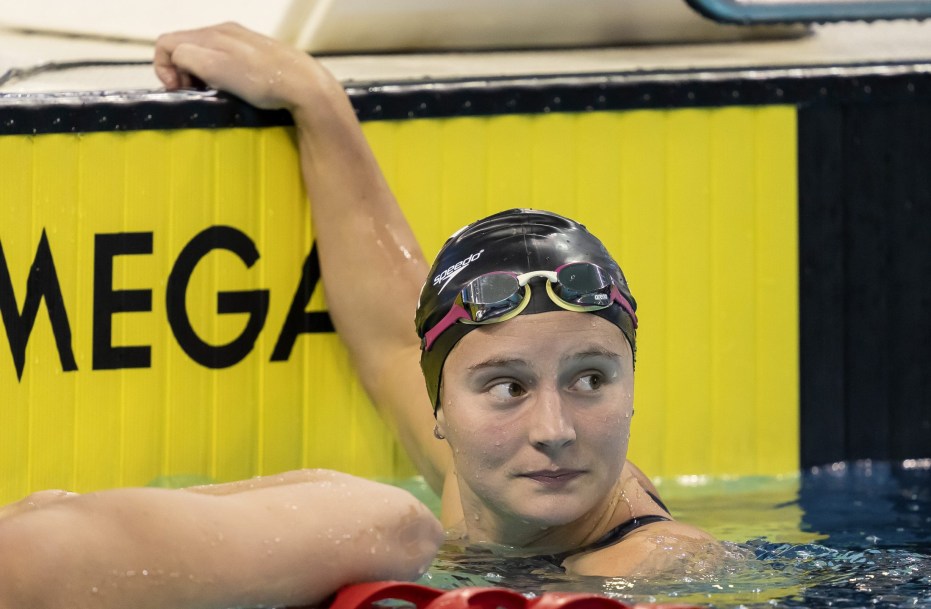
(831, 45)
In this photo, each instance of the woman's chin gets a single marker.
(548, 516)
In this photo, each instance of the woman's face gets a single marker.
(537, 411)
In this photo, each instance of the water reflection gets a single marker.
(869, 504)
(849, 535)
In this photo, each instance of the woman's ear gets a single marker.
(439, 430)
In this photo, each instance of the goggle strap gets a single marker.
(619, 299)
(455, 314)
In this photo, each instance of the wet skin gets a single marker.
(495, 469)
(537, 411)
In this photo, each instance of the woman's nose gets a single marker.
(551, 427)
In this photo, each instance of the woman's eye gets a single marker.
(507, 390)
(589, 382)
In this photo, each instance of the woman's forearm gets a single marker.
(371, 262)
(276, 546)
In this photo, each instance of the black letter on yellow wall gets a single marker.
(254, 302)
(108, 301)
(298, 320)
(41, 283)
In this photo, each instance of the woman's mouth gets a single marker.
(553, 478)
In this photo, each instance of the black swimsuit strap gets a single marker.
(610, 538)
(614, 535)
(659, 502)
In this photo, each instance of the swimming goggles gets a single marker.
(502, 295)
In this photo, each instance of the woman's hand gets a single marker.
(263, 71)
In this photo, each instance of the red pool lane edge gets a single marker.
(364, 596)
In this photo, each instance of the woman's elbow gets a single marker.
(407, 537)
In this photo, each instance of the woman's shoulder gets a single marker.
(647, 540)
(661, 546)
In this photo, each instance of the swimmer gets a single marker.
(286, 540)
(525, 335)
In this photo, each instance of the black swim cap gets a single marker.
(519, 241)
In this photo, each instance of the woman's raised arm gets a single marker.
(371, 263)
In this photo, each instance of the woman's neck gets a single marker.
(481, 524)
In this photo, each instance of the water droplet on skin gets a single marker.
(627, 501)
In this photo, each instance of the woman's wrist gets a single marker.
(315, 98)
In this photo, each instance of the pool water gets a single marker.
(845, 535)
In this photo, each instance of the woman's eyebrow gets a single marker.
(499, 362)
(592, 352)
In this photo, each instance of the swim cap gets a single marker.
(518, 241)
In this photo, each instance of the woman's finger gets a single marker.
(209, 65)
(254, 67)
(173, 72)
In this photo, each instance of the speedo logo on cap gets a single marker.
(446, 276)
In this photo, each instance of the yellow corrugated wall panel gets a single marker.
(776, 272)
(509, 162)
(16, 203)
(176, 419)
(281, 413)
(145, 196)
(643, 145)
(699, 206)
(187, 429)
(732, 256)
(234, 205)
(464, 173)
(678, 196)
(51, 438)
(687, 347)
(99, 404)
